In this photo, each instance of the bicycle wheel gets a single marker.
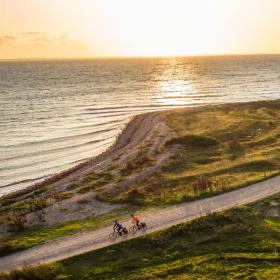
(125, 231)
(113, 236)
(143, 226)
(133, 229)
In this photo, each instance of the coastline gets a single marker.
(39, 148)
(135, 131)
(156, 162)
(130, 137)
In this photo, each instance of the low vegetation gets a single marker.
(227, 146)
(42, 272)
(242, 243)
(220, 148)
(27, 238)
(197, 141)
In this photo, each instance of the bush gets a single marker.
(17, 221)
(136, 164)
(4, 245)
(134, 195)
(86, 189)
(197, 141)
(235, 149)
(128, 169)
(255, 166)
(38, 204)
(42, 272)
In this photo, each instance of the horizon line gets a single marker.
(135, 57)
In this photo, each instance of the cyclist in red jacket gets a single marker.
(136, 220)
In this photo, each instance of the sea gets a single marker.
(55, 114)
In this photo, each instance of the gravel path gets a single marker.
(69, 246)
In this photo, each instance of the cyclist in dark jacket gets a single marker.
(118, 227)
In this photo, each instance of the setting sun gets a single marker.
(69, 28)
(139, 139)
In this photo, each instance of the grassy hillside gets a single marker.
(243, 243)
(220, 148)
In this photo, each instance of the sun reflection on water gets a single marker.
(175, 86)
(175, 92)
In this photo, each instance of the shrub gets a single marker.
(128, 169)
(136, 164)
(197, 141)
(255, 166)
(4, 245)
(17, 221)
(64, 195)
(86, 189)
(42, 272)
(38, 204)
(235, 149)
(134, 195)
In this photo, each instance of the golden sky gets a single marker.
(96, 28)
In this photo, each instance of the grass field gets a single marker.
(242, 243)
(220, 148)
(30, 237)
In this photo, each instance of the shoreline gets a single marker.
(156, 161)
(126, 138)
(123, 139)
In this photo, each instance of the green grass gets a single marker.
(232, 245)
(34, 236)
(242, 243)
(23, 238)
(42, 272)
(197, 141)
(44, 196)
(237, 244)
(221, 148)
(230, 146)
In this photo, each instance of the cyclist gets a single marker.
(118, 227)
(136, 220)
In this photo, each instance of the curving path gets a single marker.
(73, 245)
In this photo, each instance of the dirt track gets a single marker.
(69, 246)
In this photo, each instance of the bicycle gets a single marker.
(114, 235)
(134, 228)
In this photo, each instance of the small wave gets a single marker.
(101, 123)
(24, 181)
(41, 171)
(68, 102)
(144, 106)
(59, 139)
(50, 151)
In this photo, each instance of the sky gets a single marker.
(112, 28)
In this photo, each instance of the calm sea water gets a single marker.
(55, 114)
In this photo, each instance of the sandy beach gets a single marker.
(147, 130)
(138, 154)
